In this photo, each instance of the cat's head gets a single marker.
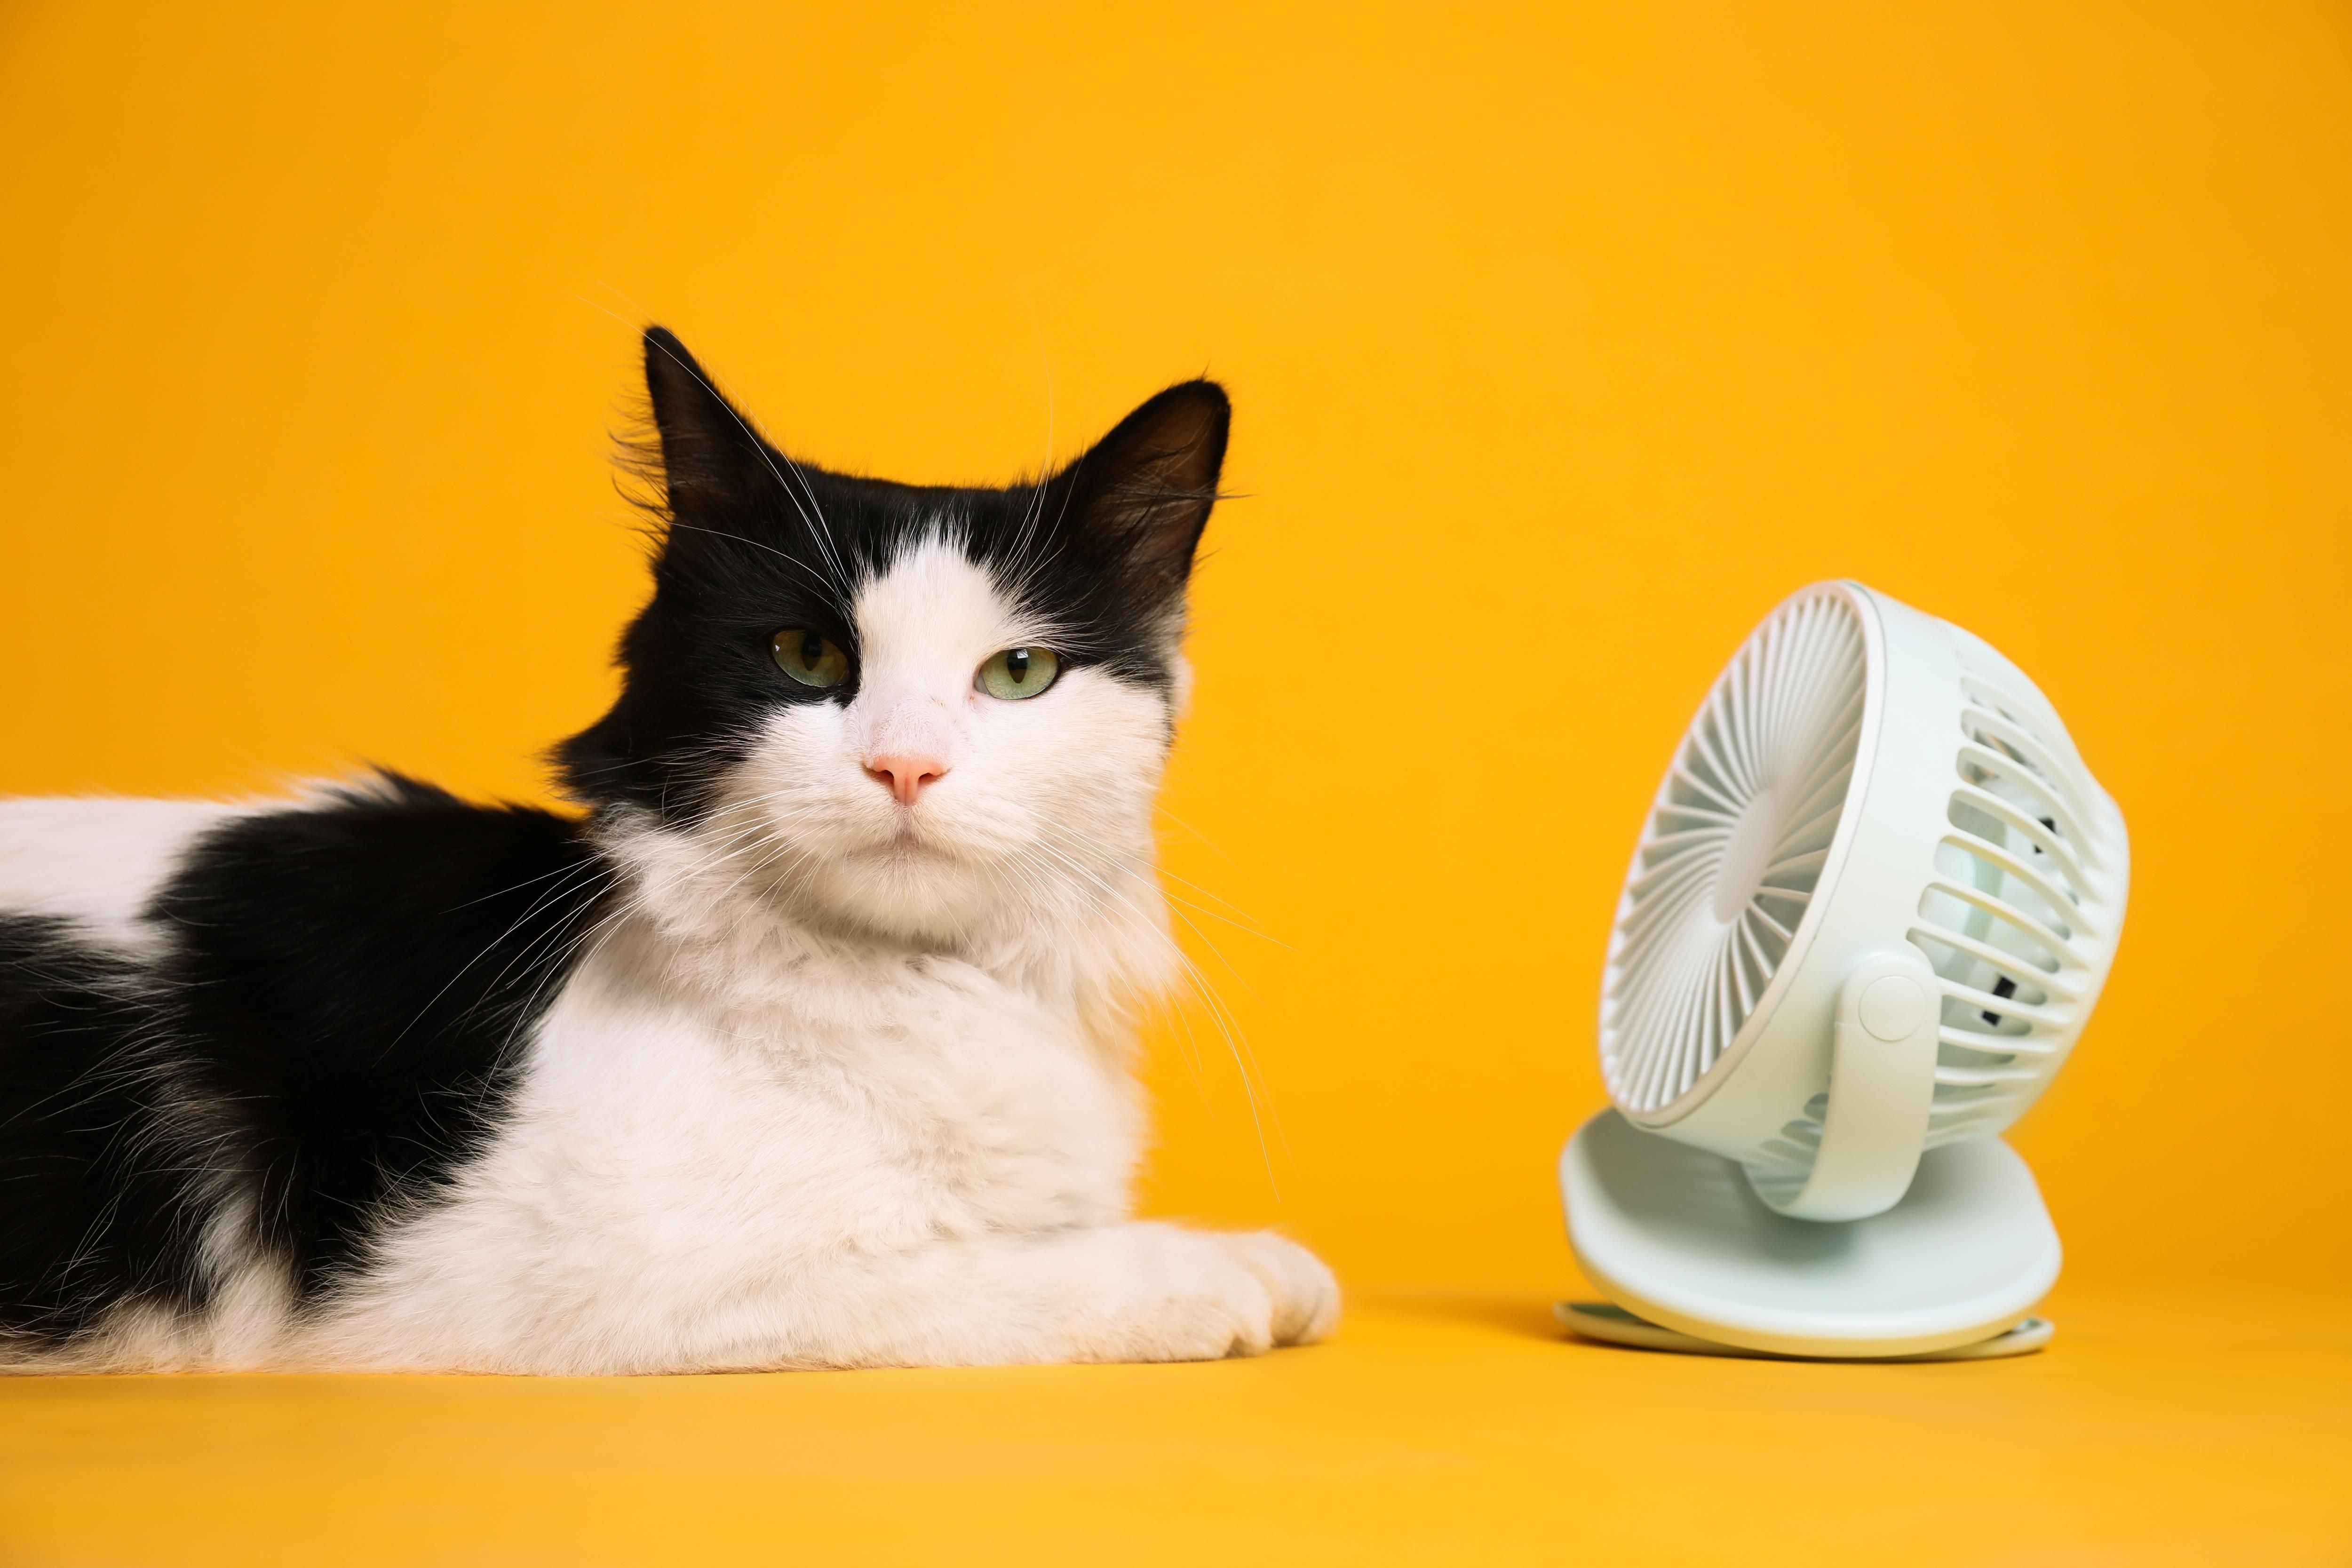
(906, 707)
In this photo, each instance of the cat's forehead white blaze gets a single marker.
(923, 628)
(932, 611)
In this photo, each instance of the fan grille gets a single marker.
(1734, 845)
(2021, 918)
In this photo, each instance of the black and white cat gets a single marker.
(809, 1045)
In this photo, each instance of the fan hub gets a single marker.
(1747, 856)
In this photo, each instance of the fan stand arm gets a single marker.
(1882, 1086)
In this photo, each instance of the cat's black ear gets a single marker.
(1143, 494)
(712, 458)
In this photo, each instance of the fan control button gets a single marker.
(1892, 1006)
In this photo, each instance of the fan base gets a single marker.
(1607, 1321)
(1676, 1237)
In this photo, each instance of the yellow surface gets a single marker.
(1565, 339)
(2159, 1431)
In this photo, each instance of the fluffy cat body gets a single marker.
(809, 1046)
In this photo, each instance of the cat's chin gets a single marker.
(907, 890)
(908, 840)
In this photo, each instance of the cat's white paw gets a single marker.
(1305, 1296)
(1192, 1296)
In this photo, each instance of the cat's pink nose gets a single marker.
(906, 772)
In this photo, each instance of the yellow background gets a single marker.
(1565, 341)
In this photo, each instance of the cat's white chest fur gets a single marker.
(676, 1153)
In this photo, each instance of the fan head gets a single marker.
(1861, 776)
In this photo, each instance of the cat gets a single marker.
(808, 1043)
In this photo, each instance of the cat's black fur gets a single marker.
(329, 1023)
(95, 1164)
(362, 979)
(329, 1033)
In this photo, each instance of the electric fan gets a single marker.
(1870, 909)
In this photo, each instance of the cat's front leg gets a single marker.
(1116, 1293)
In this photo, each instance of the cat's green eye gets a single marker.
(809, 659)
(1018, 672)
